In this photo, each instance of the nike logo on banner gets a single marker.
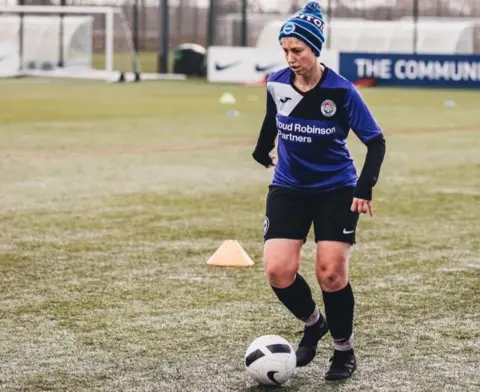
(223, 67)
(260, 68)
(345, 231)
(270, 375)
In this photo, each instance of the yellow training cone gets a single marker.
(230, 254)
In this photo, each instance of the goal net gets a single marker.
(68, 42)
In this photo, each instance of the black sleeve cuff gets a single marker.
(262, 158)
(363, 191)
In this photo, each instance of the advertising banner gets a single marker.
(230, 64)
(412, 70)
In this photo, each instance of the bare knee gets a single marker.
(332, 265)
(281, 261)
(331, 279)
(280, 273)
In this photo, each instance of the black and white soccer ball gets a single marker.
(270, 360)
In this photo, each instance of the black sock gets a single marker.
(297, 298)
(339, 311)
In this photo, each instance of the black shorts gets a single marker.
(290, 214)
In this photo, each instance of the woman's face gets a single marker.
(300, 57)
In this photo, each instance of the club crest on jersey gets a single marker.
(328, 108)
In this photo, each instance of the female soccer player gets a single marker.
(311, 109)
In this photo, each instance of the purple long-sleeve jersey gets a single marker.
(312, 129)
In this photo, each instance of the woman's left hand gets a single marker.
(362, 206)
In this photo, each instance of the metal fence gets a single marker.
(221, 22)
(189, 19)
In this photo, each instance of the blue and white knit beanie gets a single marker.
(307, 25)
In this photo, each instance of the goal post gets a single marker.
(83, 42)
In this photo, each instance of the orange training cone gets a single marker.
(230, 254)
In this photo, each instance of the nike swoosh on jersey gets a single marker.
(223, 67)
(345, 231)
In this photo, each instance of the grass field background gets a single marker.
(113, 197)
